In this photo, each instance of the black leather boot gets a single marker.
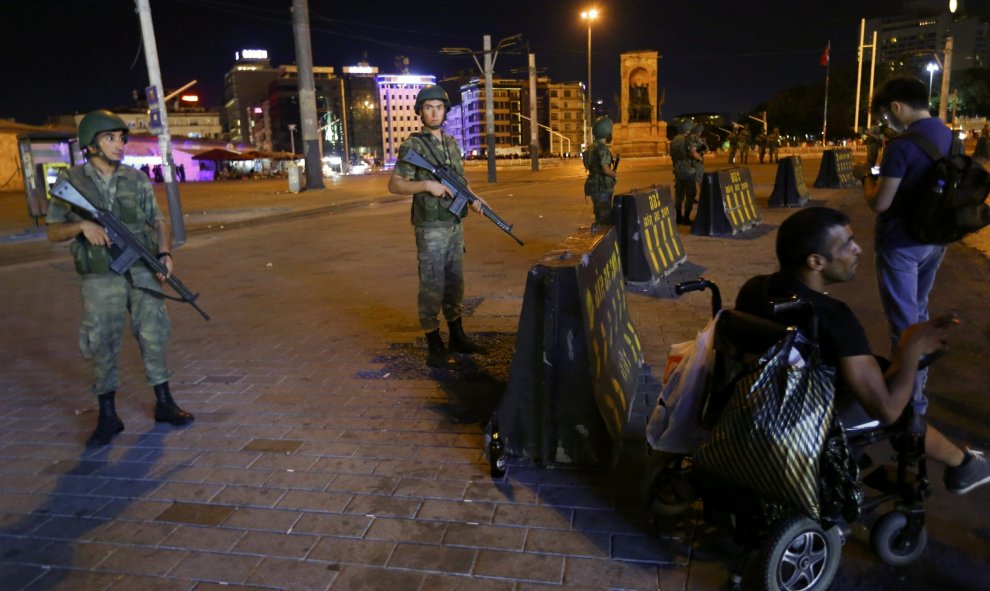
(437, 355)
(108, 423)
(167, 411)
(459, 342)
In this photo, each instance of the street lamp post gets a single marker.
(932, 67)
(589, 15)
(292, 138)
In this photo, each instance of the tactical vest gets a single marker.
(597, 182)
(126, 207)
(428, 210)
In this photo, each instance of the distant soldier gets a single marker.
(685, 156)
(601, 173)
(731, 140)
(761, 145)
(742, 144)
(773, 144)
(873, 138)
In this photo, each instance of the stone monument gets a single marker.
(640, 132)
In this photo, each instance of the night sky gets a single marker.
(717, 55)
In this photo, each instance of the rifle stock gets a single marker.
(462, 196)
(127, 249)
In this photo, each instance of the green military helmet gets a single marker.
(96, 122)
(684, 127)
(430, 93)
(602, 127)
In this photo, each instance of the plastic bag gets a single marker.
(770, 436)
(673, 425)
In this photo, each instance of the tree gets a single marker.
(798, 110)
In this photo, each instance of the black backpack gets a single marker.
(950, 201)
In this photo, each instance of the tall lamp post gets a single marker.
(932, 67)
(589, 15)
(292, 138)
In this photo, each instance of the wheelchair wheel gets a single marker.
(800, 556)
(890, 544)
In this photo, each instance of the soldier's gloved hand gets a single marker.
(94, 233)
(165, 258)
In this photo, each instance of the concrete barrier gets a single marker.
(726, 206)
(789, 188)
(649, 244)
(836, 170)
(577, 360)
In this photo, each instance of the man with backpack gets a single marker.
(905, 266)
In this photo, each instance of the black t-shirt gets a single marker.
(839, 332)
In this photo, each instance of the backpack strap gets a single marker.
(924, 143)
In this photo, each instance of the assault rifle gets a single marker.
(615, 163)
(126, 248)
(462, 195)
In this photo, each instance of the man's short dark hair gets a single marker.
(806, 233)
(904, 89)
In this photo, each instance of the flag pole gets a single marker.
(826, 58)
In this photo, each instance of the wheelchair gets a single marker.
(784, 548)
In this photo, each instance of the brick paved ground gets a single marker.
(301, 474)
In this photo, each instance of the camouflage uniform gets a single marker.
(731, 140)
(439, 233)
(107, 297)
(761, 145)
(773, 144)
(687, 173)
(742, 145)
(598, 185)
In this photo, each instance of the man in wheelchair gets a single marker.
(816, 249)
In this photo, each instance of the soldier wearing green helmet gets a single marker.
(108, 298)
(688, 169)
(599, 163)
(439, 233)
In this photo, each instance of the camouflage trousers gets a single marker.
(604, 212)
(685, 191)
(440, 251)
(107, 300)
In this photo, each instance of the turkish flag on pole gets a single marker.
(824, 60)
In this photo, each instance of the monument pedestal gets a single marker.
(640, 139)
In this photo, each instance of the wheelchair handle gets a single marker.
(700, 284)
(804, 307)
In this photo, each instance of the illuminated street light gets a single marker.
(932, 67)
(589, 15)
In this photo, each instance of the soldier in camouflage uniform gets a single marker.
(439, 233)
(773, 144)
(600, 183)
(687, 163)
(108, 298)
(742, 145)
(731, 139)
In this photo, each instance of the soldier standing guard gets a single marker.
(107, 297)
(742, 144)
(773, 144)
(601, 173)
(439, 233)
(761, 145)
(685, 156)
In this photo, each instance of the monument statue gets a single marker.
(641, 131)
(639, 103)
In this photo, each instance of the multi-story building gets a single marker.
(567, 108)
(245, 85)
(184, 119)
(357, 96)
(283, 108)
(506, 105)
(911, 43)
(397, 101)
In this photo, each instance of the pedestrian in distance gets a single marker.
(600, 164)
(906, 269)
(439, 232)
(108, 298)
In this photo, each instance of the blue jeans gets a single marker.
(905, 276)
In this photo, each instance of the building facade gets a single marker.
(507, 108)
(567, 120)
(397, 101)
(911, 43)
(245, 85)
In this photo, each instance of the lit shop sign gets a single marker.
(406, 79)
(360, 70)
(189, 98)
(251, 54)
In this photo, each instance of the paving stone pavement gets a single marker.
(301, 472)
